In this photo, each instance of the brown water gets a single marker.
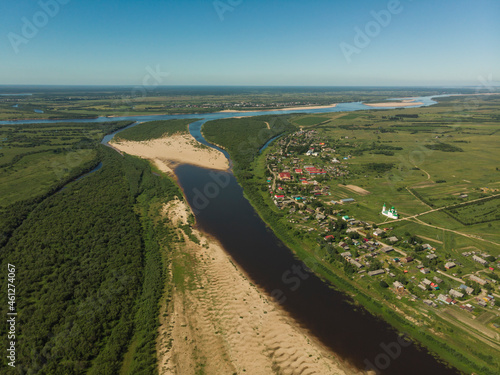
(348, 330)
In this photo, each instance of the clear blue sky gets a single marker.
(257, 42)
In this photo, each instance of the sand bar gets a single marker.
(229, 325)
(281, 109)
(170, 151)
(404, 103)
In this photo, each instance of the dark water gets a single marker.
(222, 211)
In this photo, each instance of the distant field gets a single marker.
(72, 103)
(310, 120)
(478, 212)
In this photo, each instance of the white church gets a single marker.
(392, 213)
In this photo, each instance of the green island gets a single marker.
(428, 266)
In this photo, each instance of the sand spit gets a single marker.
(223, 324)
(282, 109)
(170, 151)
(404, 103)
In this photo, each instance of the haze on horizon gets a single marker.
(251, 42)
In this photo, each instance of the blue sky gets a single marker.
(250, 42)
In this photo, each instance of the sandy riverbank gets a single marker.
(220, 322)
(404, 103)
(281, 109)
(170, 151)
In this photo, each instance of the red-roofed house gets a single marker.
(285, 176)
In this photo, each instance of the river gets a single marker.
(222, 211)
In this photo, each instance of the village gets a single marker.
(302, 170)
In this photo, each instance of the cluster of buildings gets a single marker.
(298, 180)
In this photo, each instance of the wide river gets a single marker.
(221, 210)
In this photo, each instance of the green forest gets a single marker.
(244, 137)
(90, 256)
(155, 129)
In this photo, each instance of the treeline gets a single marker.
(155, 129)
(36, 135)
(378, 167)
(243, 138)
(90, 273)
(13, 215)
(444, 147)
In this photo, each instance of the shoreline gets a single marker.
(168, 152)
(250, 332)
(394, 104)
(279, 109)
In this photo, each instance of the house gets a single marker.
(377, 232)
(437, 279)
(468, 307)
(355, 263)
(425, 271)
(298, 171)
(430, 303)
(431, 256)
(479, 260)
(426, 246)
(407, 259)
(285, 176)
(456, 294)
(467, 289)
(398, 285)
(386, 249)
(376, 272)
(434, 286)
(330, 237)
(393, 239)
(426, 281)
(478, 280)
(346, 254)
(449, 265)
(444, 298)
(344, 246)
(347, 200)
(279, 196)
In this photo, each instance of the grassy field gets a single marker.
(35, 158)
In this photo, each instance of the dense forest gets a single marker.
(90, 260)
(155, 129)
(244, 137)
